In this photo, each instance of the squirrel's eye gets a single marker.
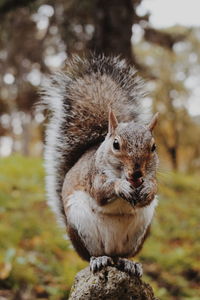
(153, 148)
(116, 145)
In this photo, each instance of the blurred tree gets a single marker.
(106, 27)
(173, 70)
(8, 5)
(36, 37)
(113, 22)
(99, 25)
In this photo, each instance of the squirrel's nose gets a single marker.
(137, 174)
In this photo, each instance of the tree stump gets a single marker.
(109, 284)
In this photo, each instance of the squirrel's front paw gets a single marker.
(124, 190)
(146, 194)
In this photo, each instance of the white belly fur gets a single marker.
(102, 229)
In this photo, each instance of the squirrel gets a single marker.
(101, 159)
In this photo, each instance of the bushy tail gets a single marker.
(78, 100)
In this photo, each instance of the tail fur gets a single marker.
(77, 100)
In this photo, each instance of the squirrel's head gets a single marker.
(131, 148)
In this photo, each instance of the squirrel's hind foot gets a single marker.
(122, 264)
(97, 263)
(130, 267)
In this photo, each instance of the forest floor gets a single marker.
(37, 261)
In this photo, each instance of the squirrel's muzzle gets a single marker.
(136, 178)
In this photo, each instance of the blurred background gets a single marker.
(162, 39)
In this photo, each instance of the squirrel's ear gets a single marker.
(153, 122)
(112, 122)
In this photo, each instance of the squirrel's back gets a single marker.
(78, 100)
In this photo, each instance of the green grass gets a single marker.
(36, 260)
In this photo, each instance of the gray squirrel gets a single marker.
(100, 159)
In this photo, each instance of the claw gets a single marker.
(98, 263)
(130, 267)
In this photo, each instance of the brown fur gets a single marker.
(78, 243)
